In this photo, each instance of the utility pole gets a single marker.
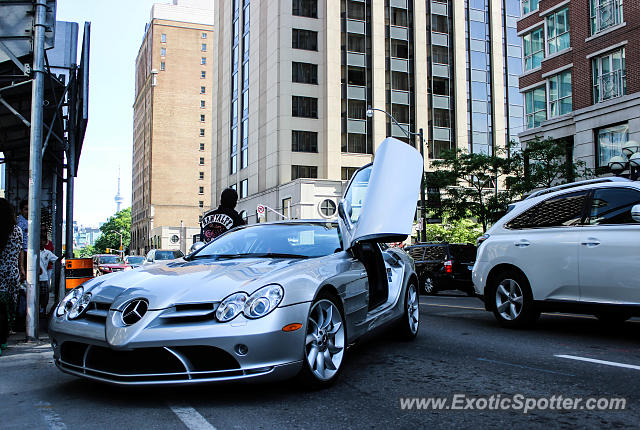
(35, 170)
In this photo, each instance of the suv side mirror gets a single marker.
(635, 213)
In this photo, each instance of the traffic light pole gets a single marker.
(423, 184)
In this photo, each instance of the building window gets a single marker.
(355, 42)
(244, 188)
(558, 31)
(203, 74)
(163, 52)
(203, 90)
(304, 107)
(308, 8)
(203, 60)
(303, 172)
(201, 176)
(202, 147)
(560, 94)
(200, 190)
(202, 104)
(605, 14)
(304, 141)
(200, 204)
(286, 207)
(201, 118)
(162, 65)
(202, 132)
(529, 6)
(204, 35)
(203, 48)
(355, 143)
(609, 142)
(202, 161)
(609, 76)
(327, 208)
(535, 107)
(304, 73)
(304, 39)
(347, 172)
(163, 38)
(533, 49)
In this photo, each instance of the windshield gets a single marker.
(167, 255)
(110, 259)
(135, 259)
(273, 240)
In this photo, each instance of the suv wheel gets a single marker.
(512, 301)
(429, 285)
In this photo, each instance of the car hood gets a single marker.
(183, 282)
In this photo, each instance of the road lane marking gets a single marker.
(191, 418)
(593, 360)
(524, 367)
(53, 420)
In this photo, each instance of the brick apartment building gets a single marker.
(581, 79)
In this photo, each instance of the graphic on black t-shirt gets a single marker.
(214, 225)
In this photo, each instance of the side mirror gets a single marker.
(635, 213)
(341, 211)
(196, 246)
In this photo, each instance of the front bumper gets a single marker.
(181, 352)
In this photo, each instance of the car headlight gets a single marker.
(263, 301)
(69, 301)
(231, 307)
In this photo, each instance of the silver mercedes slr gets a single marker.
(262, 302)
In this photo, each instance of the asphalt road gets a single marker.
(461, 355)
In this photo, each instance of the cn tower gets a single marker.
(118, 197)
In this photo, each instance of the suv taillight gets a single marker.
(448, 266)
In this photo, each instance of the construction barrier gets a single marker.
(77, 271)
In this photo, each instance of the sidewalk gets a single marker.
(17, 343)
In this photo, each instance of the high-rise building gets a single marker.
(581, 78)
(172, 125)
(294, 80)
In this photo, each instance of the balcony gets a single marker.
(610, 85)
(607, 14)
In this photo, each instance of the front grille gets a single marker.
(190, 313)
(159, 364)
(96, 311)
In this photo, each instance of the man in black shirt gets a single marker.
(216, 222)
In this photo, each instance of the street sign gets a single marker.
(261, 209)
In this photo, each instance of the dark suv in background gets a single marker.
(444, 266)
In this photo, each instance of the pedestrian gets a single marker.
(11, 268)
(46, 257)
(23, 223)
(51, 248)
(218, 221)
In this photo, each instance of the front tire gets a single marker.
(325, 342)
(408, 326)
(512, 300)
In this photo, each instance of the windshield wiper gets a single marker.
(250, 255)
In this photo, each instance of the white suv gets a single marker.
(571, 248)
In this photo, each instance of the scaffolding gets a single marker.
(43, 118)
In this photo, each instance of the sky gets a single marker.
(117, 28)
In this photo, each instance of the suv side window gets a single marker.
(559, 211)
(613, 206)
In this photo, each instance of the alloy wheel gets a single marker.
(325, 341)
(413, 311)
(509, 299)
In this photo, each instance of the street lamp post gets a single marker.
(420, 134)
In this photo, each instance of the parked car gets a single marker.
(156, 255)
(265, 301)
(134, 260)
(572, 248)
(108, 263)
(444, 266)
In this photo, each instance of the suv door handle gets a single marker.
(522, 243)
(591, 242)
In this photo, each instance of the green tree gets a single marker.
(544, 163)
(120, 222)
(471, 183)
(458, 231)
(87, 251)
